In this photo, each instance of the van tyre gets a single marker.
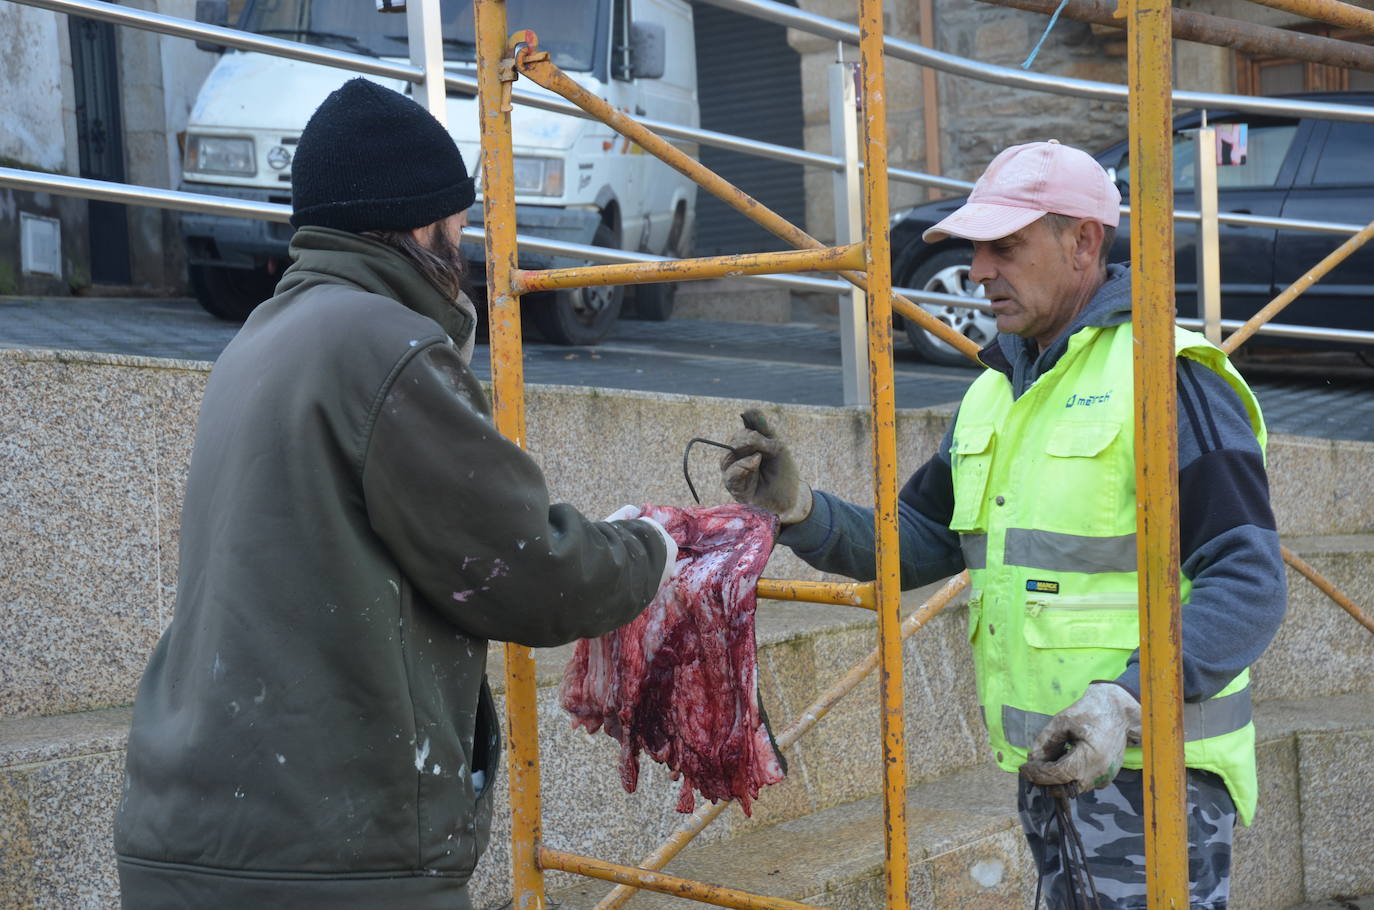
(231, 294)
(654, 302)
(582, 315)
(946, 272)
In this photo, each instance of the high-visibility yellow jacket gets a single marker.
(1045, 505)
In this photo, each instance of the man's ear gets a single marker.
(1088, 236)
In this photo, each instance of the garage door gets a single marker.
(749, 84)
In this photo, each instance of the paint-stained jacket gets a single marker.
(314, 729)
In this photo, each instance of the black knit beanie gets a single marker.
(371, 159)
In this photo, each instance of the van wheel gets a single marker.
(231, 294)
(947, 273)
(582, 315)
(654, 302)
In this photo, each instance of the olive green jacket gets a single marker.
(310, 729)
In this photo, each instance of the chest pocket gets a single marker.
(971, 456)
(1086, 621)
(1081, 477)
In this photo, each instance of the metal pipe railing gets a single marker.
(700, 892)
(1149, 66)
(508, 414)
(1327, 588)
(183, 201)
(38, 182)
(1284, 330)
(248, 41)
(763, 9)
(108, 191)
(230, 37)
(1289, 294)
(826, 259)
(887, 581)
(1334, 11)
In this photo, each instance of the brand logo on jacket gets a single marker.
(1042, 587)
(1087, 401)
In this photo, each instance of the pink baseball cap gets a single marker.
(1026, 182)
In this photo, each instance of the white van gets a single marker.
(576, 179)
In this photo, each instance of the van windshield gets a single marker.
(566, 28)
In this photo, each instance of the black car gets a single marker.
(1306, 168)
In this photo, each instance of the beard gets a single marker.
(446, 267)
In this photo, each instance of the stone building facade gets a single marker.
(95, 100)
(976, 119)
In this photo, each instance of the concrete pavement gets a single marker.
(1323, 395)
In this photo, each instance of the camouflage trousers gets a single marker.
(1111, 822)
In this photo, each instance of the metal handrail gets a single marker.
(231, 37)
(35, 181)
(458, 82)
(763, 9)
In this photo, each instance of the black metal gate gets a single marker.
(100, 139)
(748, 84)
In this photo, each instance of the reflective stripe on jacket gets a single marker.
(1044, 502)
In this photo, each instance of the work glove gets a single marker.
(628, 513)
(1086, 742)
(759, 471)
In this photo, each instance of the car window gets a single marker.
(1345, 156)
(1267, 147)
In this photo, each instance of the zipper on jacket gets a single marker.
(1036, 605)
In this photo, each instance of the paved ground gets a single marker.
(1325, 395)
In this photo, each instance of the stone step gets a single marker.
(1310, 839)
(965, 849)
(60, 782)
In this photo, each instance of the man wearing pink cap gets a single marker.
(1033, 492)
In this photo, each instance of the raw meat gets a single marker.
(680, 682)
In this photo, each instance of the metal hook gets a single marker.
(686, 475)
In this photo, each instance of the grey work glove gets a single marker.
(1086, 742)
(759, 471)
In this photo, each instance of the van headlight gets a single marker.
(539, 176)
(220, 155)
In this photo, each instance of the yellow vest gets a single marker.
(1044, 502)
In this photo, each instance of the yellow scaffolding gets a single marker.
(501, 59)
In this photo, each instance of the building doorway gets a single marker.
(748, 84)
(100, 140)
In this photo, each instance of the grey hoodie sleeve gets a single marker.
(466, 514)
(1228, 542)
(838, 536)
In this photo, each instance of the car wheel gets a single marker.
(946, 272)
(231, 294)
(582, 315)
(654, 302)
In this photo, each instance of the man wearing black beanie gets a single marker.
(314, 728)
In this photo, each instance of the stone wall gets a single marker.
(94, 451)
(977, 119)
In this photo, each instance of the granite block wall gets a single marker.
(93, 454)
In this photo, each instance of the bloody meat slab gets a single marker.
(680, 682)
